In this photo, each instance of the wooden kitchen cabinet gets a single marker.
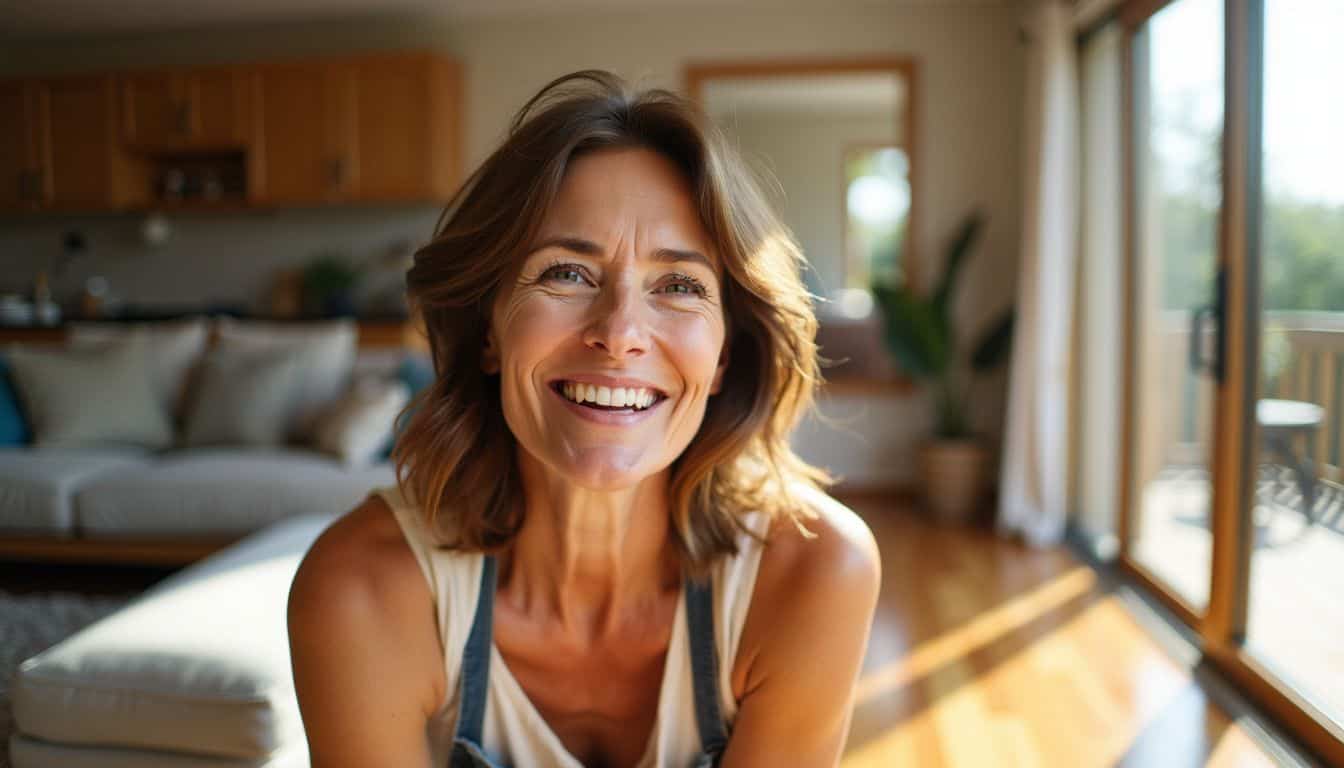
(179, 110)
(407, 127)
(61, 148)
(382, 127)
(84, 165)
(307, 134)
(20, 162)
(376, 128)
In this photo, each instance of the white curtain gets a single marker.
(1033, 493)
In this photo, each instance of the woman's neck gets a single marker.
(587, 559)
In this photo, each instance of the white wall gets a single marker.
(968, 130)
(804, 154)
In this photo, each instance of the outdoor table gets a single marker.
(1280, 421)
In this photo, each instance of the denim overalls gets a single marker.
(467, 751)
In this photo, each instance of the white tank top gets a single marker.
(515, 732)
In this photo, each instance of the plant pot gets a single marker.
(952, 475)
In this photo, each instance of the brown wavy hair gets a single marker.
(456, 457)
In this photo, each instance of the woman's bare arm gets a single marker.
(363, 647)
(807, 631)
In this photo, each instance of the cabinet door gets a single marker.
(80, 141)
(155, 111)
(393, 127)
(220, 107)
(307, 118)
(16, 157)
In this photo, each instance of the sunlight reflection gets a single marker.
(977, 633)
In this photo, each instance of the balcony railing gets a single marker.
(1302, 358)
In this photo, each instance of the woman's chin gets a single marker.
(607, 469)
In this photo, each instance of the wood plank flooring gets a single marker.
(985, 652)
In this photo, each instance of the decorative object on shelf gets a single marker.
(200, 177)
(328, 286)
(45, 311)
(921, 334)
(285, 298)
(155, 229)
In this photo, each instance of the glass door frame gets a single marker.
(1221, 628)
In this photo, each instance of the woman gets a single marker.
(601, 550)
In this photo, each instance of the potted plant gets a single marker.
(923, 339)
(328, 286)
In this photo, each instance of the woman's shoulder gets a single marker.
(837, 547)
(362, 639)
(363, 548)
(360, 577)
(822, 585)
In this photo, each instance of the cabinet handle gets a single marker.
(336, 172)
(184, 118)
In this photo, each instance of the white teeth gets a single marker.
(614, 397)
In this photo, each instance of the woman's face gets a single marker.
(610, 339)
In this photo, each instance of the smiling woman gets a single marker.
(601, 549)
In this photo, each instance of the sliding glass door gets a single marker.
(1232, 508)
(1295, 623)
(1176, 194)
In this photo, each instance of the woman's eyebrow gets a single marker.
(589, 248)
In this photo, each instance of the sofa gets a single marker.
(163, 442)
(230, 441)
(195, 673)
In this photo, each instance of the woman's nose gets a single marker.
(618, 326)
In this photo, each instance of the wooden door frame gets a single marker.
(696, 74)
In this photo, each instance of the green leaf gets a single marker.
(996, 343)
(957, 253)
(912, 333)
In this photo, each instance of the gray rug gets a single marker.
(29, 624)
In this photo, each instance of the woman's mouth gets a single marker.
(601, 398)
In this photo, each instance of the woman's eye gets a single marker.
(564, 274)
(684, 285)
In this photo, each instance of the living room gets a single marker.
(209, 352)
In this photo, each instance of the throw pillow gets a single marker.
(173, 347)
(243, 397)
(326, 354)
(89, 396)
(13, 427)
(355, 427)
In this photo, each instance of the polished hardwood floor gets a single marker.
(984, 652)
(987, 652)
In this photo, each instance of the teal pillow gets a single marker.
(13, 427)
(416, 372)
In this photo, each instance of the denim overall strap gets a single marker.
(476, 660)
(705, 666)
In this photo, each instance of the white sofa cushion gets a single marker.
(97, 395)
(173, 348)
(326, 351)
(198, 665)
(25, 752)
(36, 486)
(220, 491)
(244, 397)
(357, 427)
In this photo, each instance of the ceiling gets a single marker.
(64, 18)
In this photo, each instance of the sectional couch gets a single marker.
(156, 496)
(195, 673)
